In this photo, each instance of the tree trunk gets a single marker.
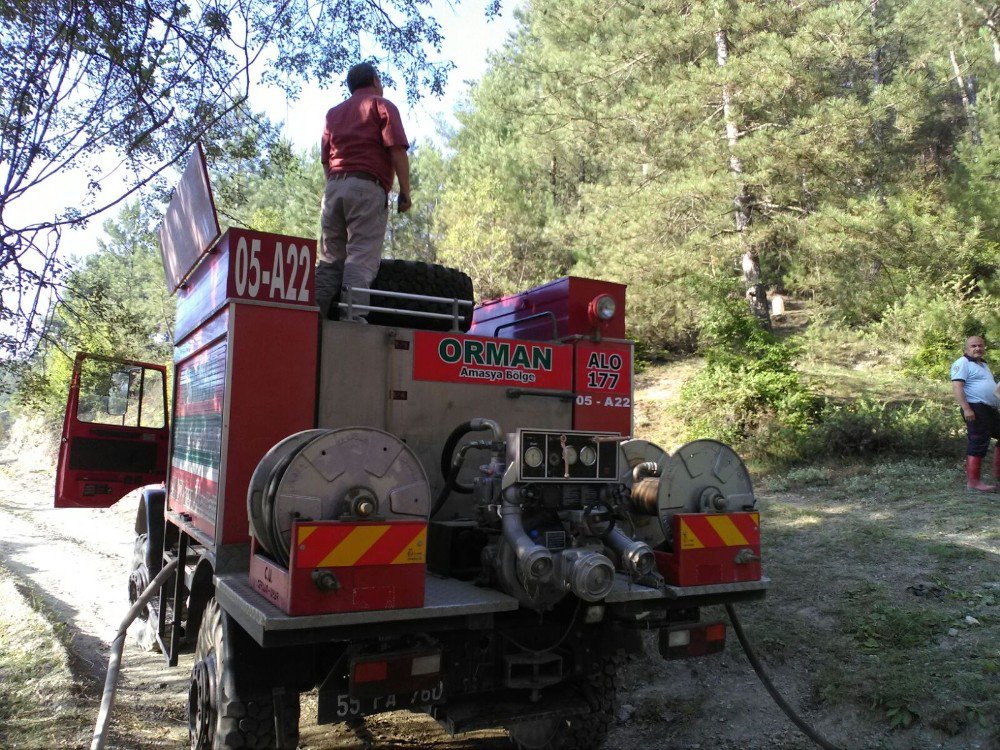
(965, 86)
(990, 20)
(879, 125)
(756, 294)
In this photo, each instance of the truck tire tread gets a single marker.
(601, 691)
(142, 630)
(418, 277)
(242, 721)
(585, 731)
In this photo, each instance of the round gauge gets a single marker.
(588, 455)
(533, 456)
(569, 453)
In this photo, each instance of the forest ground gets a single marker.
(884, 610)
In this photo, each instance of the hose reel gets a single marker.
(703, 476)
(348, 474)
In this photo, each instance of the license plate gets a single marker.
(343, 706)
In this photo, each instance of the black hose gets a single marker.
(769, 686)
(447, 470)
(449, 481)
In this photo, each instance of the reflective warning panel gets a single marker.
(710, 549)
(350, 544)
(722, 530)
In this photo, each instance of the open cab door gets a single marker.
(115, 432)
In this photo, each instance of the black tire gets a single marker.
(143, 628)
(416, 277)
(219, 721)
(581, 732)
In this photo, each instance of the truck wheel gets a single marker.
(582, 732)
(416, 277)
(220, 721)
(143, 628)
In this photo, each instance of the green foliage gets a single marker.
(751, 396)
(879, 626)
(875, 624)
(416, 235)
(932, 324)
(901, 715)
(499, 200)
(877, 250)
(598, 143)
(282, 194)
(808, 476)
(115, 303)
(748, 394)
(867, 427)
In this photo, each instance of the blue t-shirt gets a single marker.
(979, 382)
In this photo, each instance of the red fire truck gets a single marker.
(443, 510)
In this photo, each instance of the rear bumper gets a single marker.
(449, 604)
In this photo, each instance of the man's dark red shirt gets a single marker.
(359, 133)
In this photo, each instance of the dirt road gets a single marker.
(76, 562)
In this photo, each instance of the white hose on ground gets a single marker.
(117, 646)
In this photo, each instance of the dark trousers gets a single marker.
(986, 425)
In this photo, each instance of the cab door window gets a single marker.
(115, 393)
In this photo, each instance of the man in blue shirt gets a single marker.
(973, 386)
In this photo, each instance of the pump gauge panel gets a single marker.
(567, 456)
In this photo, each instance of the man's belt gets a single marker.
(359, 175)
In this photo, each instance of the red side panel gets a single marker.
(199, 402)
(246, 357)
(272, 394)
(712, 548)
(602, 382)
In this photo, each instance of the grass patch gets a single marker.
(877, 567)
(878, 556)
(37, 693)
(876, 624)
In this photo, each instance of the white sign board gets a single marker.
(190, 226)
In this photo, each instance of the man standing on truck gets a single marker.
(973, 386)
(363, 147)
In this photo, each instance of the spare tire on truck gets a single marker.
(417, 277)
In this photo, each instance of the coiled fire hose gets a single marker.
(117, 646)
(797, 720)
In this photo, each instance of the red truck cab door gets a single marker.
(115, 433)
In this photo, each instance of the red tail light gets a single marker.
(371, 671)
(685, 641)
(394, 672)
